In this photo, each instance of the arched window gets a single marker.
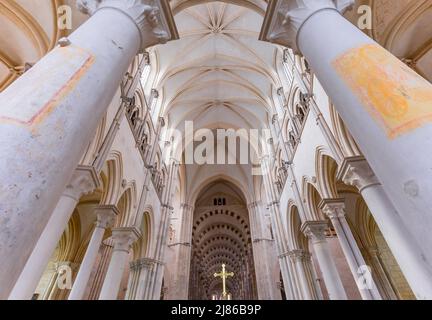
(219, 202)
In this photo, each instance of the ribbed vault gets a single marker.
(218, 67)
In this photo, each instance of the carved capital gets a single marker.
(84, 181)
(253, 205)
(106, 215)
(123, 238)
(153, 18)
(143, 263)
(356, 171)
(299, 255)
(333, 208)
(285, 18)
(186, 206)
(315, 230)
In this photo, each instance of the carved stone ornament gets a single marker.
(285, 18)
(84, 181)
(356, 171)
(153, 18)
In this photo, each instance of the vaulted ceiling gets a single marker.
(218, 72)
(218, 75)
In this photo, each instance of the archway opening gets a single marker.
(221, 236)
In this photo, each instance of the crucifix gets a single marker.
(224, 275)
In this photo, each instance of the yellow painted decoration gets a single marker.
(44, 86)
(397, 97)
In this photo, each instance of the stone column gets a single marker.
(138, 279)
(156, 280)
(106, 215)
(315, 231)
(335, 210)
(264, 254)
(387, 288)
(123, 239)
(84, 181)
(407, 252)
(60, 283)
(383, 102)
(96, 282)
(48, 116)
(299, 258)
(143, 269)
(183, 252)
(279, 232)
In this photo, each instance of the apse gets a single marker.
(221, 236)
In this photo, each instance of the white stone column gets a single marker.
(382, 277)
(48, 116)
(106, 215)
(384, 103)
(183, 250)
(409, 255)
(315, 231)
(279, 232)
(123, 239)
(157, 277)
(264, 254)
(84, 181)
(299, 257)
(145, 267)
(335, 210)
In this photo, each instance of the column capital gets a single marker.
(299, 255)
(315, 230)
(106, 215)
(253, 205)
(187, 206)
(153, 18)
(333, 208)
(285, 18)
(142, 263)
(356, 171)
(84, 181)
(124, 237)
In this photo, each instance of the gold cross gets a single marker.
(224, 275)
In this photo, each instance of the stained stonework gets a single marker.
(263, 220)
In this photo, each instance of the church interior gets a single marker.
(99, 196)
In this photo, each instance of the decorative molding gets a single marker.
(299, 255)
(333, 208)
(84, 181)
(356, 171)
(315, 230)
(124, 237)
(106, 215)
(153, 18)
(285, 18)
(143, 263)
(186, 206)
